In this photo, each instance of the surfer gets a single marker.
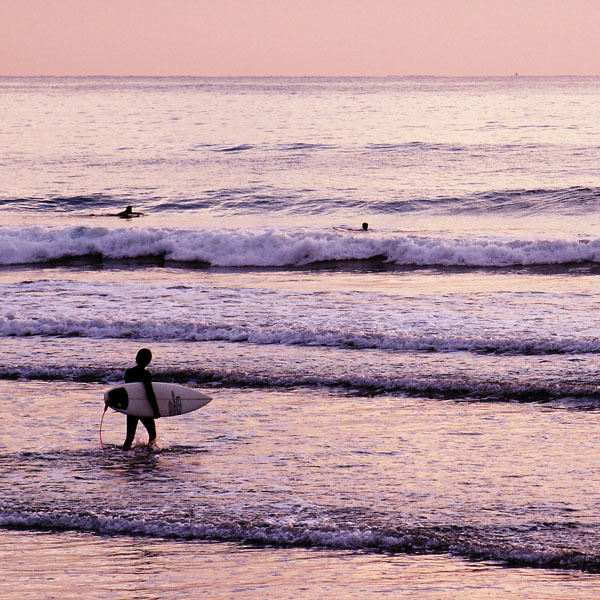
(128, 213)
(363, 227)
(140, 374)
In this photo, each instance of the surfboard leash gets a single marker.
(102, 421)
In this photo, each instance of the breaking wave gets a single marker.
(466, 542)
(283, 248)
(101, 327)
(582, 394)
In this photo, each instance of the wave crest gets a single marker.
(583, 394)
(466, 542)
(102, 327)
(283, 248)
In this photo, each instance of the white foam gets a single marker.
(457, 541)
(272, 247)
(184, 329)
(580, 394)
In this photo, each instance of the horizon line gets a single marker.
(515, 75)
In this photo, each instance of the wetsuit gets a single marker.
(133, 375)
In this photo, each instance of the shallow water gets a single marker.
(139, 567)
(305, 467)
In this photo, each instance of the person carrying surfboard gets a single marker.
(140, 374)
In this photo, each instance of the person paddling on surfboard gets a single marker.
(133, 375)
(363, 227)
(128, 213)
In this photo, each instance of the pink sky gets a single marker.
(300, 37)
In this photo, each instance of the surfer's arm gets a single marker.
(151, 397)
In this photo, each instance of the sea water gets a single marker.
(406, 410)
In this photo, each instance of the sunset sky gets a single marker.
(300, 37)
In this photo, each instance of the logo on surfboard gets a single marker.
(174, 404)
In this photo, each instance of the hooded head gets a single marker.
(143, 357)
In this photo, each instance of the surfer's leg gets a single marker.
(131, 427)
(150, 426)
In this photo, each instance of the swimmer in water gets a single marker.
(364, 227)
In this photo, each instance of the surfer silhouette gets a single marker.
(128, 213)
(140, 374)
(363, 227)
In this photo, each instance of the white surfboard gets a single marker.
(172, 399)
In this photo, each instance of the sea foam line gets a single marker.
(430, 386)
(463, 542)
(282, 247)
(101, 327)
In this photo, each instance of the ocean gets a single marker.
(409, 410)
